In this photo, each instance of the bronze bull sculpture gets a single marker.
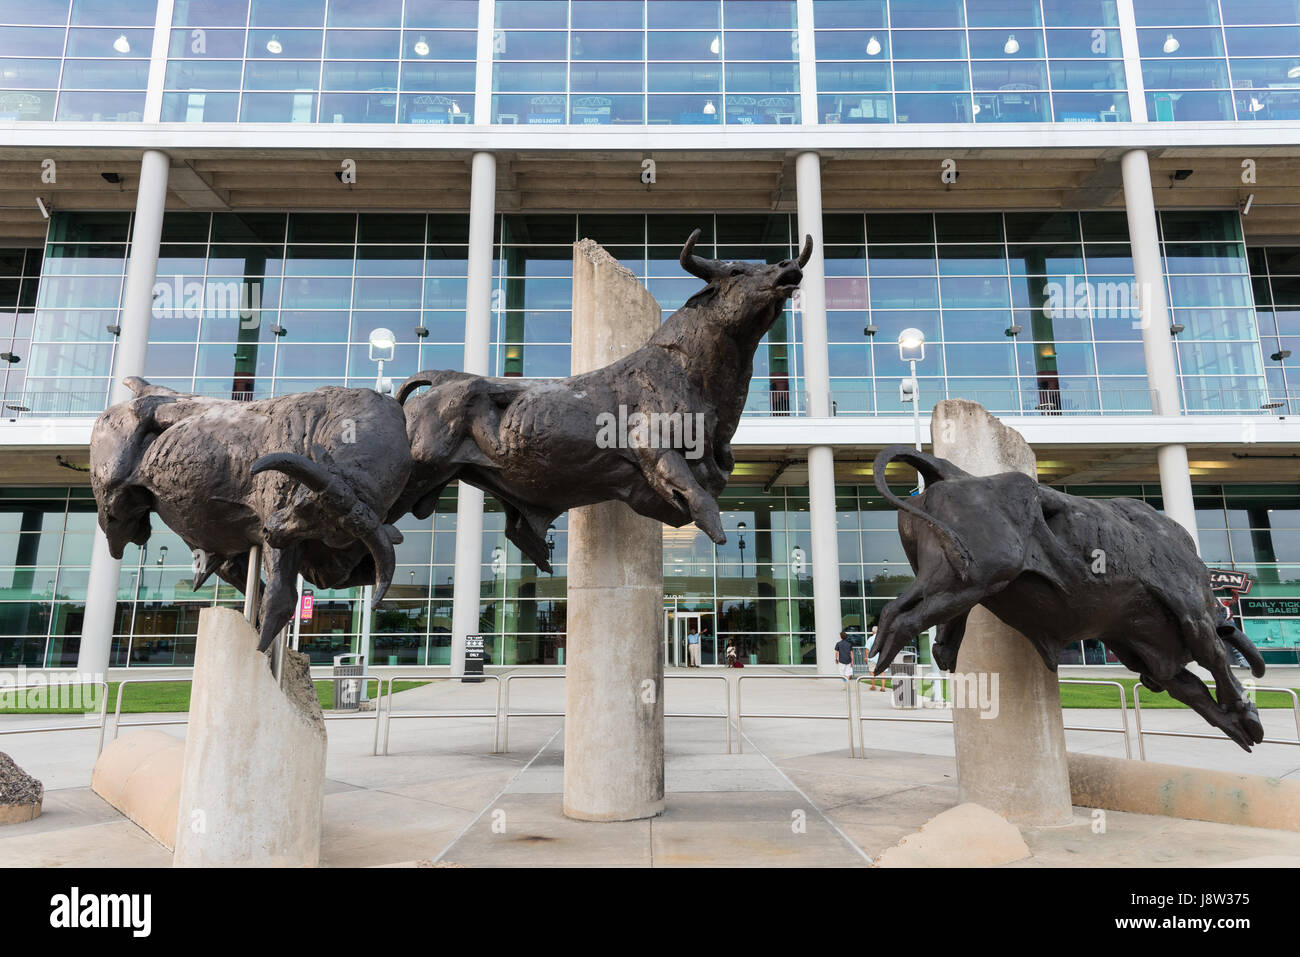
(536, 444)
(311, 477)
(1029, 554)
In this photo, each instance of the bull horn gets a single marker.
(311, 474)
(806, 253)
(410, 385)
(692, 263)
(379, 542)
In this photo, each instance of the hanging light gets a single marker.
(122, 44)
(1293, 73)
(1255, 105)
(1012, 45)
(273, 44)
(1171, 44)
(455, 107)
(716, 45)
(422, 46)
(873, 46)
(709, 108)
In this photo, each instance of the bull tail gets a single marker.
(934, 470)
(355, 515)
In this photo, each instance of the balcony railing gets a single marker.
(782, 403)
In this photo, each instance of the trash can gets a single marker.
(347, 694)
(860, 662)
(904, 690)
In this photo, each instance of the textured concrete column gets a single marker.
(817, 385)
(132, 344)
(1157, 341)
(252, 783)
(614, 709)
(478, 336)
(1015, 762)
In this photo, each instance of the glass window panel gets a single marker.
(850, 13)
(290, 75)
(278, 13)
(1164, 12)
(933, 108)
(931, 76)
(362, 44)
(1087, 75)
(1084, 43)
(1009, 76)
(532, 13)
(365, 13)
(1264, 41)
(929, 44)
(516, 45)
(203, 75)
(107, 43)
(1182, 42)
(926, 13)
(759, 14)
(684, 77)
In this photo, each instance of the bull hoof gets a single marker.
(945, 657)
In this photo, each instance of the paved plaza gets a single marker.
(789, 794)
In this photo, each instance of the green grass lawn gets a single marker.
(174, 696)
(1107, 695)
(161, 698)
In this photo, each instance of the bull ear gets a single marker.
(136, 384)
(693, 264)
(806, 253)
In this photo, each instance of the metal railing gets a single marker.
(948, 705)
(101, 724)
(390, 714)
(118, 723)
(1142, 733)
(507, 714)
(847, 717)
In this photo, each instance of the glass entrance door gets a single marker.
(678, 626)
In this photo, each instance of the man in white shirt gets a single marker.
(693, 648)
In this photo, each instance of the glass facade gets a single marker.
(351, 61)
(1025, 312)
(1275, 274)
(20, 276)
(649, 62)
(1220, 59)
(645, 61)
(82, 61)
(986, 61)
(757, 595)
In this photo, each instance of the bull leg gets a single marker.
(1210, 654)
(919, 606)
(671, 478)
(947, 642)
(1189, 689)
(281, 596)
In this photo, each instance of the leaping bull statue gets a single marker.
(536, 444)
(1028, 554)
(310, 477)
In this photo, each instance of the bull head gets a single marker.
(763, 287)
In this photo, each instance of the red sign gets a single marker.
(308, 604)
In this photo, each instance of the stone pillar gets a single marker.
(466, 595)
(252, 784)
(132, 343)
(614, 710)
(1014, 763)
(817, 385)
(1157, 341)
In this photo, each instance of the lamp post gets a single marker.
(911, 349)
(741, 527)
(162, 560)
(383, 346)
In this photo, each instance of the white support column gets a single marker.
(137, 311)
(478, 336)
(162, 32)
(821, 461)
(483, 66)
(1157, 341)
(1128, 35)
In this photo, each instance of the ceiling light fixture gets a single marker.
(422, 46)
(1171, 44)
(122, 44)
(1012, 45)
(873, 46)
(273, 45)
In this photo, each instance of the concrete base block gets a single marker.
(254, 772)
(1145, 787)
(967, 835)
(140, 775)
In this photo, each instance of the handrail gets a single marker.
(1123, 729)
(103, 708)
(118, 723)
(507, 714)
(1137, 714)
(495, 715)
(740, 712)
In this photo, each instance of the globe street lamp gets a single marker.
(911, 349)
(383, 346)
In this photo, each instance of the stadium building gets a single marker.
(1086, 207)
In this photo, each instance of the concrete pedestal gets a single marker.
(1014, 763)
(252, 785)
(614, 711)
